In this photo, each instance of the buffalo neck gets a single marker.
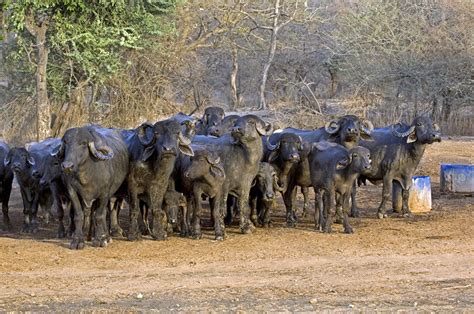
(253, 149)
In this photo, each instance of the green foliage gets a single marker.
(87, 38)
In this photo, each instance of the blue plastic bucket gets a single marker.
(457, 178)
(420, 194)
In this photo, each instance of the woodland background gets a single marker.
(122, 62)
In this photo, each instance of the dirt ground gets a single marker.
(421, 263)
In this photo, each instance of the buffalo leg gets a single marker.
(115, 229)
(34, 225)
(397, 198)
(289, 198)
(26, 211)
(253, 210)
(246, 226)
(218, 222)
(184, 232)
(344, 199)
(7, 188)
(305, 192)
(156, 207)
(197, 234)
(329, 208)
(354, 209)
(133, 229)
(318, 210)
(386, 191)
(406, 209)
(101, 236)
(77, 242)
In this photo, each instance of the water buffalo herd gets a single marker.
(165, 170)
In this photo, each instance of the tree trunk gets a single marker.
(43, 109)
(42, 101)
(271, 54)
(233, 79)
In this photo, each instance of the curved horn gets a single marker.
(58, 150)
(332, 126)
(277, 186)
(212, 159)
(367, 126)
(402, 134)
(270, 146)
(99, 153)
(264, 128)
(142, 134)
(183, 140)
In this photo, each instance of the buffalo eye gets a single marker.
(418, 124)
(355, 155)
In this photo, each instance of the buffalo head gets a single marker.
(19, 160)
(350, 128)
(79, 145)
(163, 139)
(250, 127)
(422, 130)
(203, 164)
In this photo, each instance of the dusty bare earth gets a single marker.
(424, 263)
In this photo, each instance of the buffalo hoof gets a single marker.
(228, 220)
(8, 226)
(348, 230)
(219, 238)
(247, 229)
(184, 233)
(381, 215)
(117, 232)
(134, 236)
(291, 224)
(354, 213)
(406, 215)
(76, 244)
(159, 236)
(197, 236)
(102, 242)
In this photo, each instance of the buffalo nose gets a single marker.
(67, 165)
(351, 130)
(43, 182)
(16, 165)
(270, 195)
(35, 173)
(172, 221)
(294, 156)
(236, 129)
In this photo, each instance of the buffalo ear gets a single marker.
(31, 160)
(412, 137)
(273, 156)
(147, 152)
(186, 149)
(366, 137)
(7, 160)
(217, 171)
(342, 164)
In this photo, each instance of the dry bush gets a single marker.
(19, 121)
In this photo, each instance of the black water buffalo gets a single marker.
(212, 117)
(224, 127)
(262, 194)
(153, 150)
(240, 153)
(201, 174)
(95, 164)
(6, 179)
(346, 131)
(188, 124)
(334, 170)
(53, 177)
(396, 152)
(27, 164)
(175, 207)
